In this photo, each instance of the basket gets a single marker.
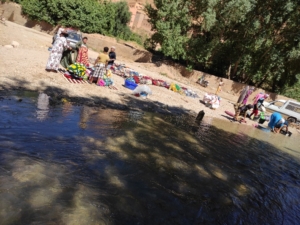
(130, 85)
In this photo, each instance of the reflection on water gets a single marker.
(42, 106)
(82, 165)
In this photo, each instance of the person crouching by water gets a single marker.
(277, 123)
(258, 102)
(100, 66)
(81, 54)
(58, 48)
(241, 112)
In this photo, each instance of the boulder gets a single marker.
(15, 44)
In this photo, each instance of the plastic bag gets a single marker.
(142, 89)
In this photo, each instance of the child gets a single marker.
(219, 87)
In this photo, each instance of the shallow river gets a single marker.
(79, 165)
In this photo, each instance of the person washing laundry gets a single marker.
(258, 102)
(277, 123)
(241, 112)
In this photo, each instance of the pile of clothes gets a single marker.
(211, 101)
(106, 80)
(78, 70)
(134, 78)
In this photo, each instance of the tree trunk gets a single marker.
(236, 67)
(229, 72)
(262, 81)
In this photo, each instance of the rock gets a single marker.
(8, 46)
(15, 44)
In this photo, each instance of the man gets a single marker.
(100, 65)
(112, 56)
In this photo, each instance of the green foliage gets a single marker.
(252, 41)
(90, 16)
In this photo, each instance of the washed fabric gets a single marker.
(259, 97)
(56, 53)
(83, 55)
(77, 69)
(249, 92)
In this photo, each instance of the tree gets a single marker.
(252, 41)
(171, 21)
(90, 16)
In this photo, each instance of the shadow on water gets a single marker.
(85, 165)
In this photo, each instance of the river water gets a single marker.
(79, 165)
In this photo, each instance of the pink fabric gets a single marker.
(101, 83)
(257, 97)
(247, 96)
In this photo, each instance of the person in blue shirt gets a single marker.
(277, 123)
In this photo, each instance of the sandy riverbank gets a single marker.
(24, 68)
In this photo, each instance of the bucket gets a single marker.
(130, 85)
(261, 121)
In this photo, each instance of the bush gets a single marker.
(90, 16)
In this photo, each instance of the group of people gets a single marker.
(61, 54)
(103, 62)
(276, 121)
(241, 107)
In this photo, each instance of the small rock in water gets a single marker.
(15, 44)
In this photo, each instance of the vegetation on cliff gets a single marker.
(90, 16)
(251, 41)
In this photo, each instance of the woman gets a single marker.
(277, 122)
(58, 47)
(248, 93)
(258, 101)
(82, 52)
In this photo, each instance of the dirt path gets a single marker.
(24, 67)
